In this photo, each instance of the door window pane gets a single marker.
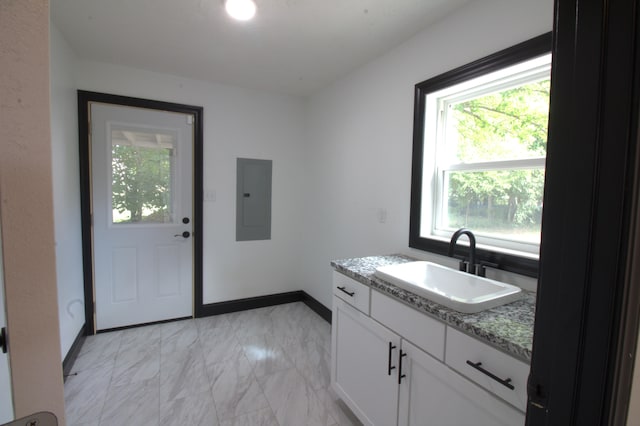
(141, 170)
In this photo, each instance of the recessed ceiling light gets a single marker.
(242, 10)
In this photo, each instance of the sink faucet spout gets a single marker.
(472, 246)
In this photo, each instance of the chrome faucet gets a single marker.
(471, 268)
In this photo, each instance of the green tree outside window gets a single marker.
(141, 184)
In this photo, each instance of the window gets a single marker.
(479, 153)
(488, 145)
(142, 175)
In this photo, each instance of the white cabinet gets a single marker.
(495, 371)
(389, 368)
(360, 366)
(433, 394)
(424, 331)
(351, 291)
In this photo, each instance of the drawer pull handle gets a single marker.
(503, 382)
(344, 290)
(390, 367)
(400, 375)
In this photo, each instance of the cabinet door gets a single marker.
(433, 394)
(462, 349)
(361, 357)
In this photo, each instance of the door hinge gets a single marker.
(189, 119)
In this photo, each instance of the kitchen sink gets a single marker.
(454, 289)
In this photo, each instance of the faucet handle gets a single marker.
(464, 263)
(481, 268)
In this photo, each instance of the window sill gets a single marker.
(522, 263)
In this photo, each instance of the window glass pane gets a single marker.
(505, 204)
(503, 125)
(141, 185)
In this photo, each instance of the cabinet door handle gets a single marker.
(344, 290)
(390, 367)
(400, 375)
(504, 382)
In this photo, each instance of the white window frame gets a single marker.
(435, 163)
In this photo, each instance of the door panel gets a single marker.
(142, 188)
(253, 199)
(124, 274)
(255, 182)
(168, 270)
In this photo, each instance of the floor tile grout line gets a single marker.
(206, 372)
(298, 371)
(315, 391)
(255, 377)
(273, 413)
(271, 333)
(113, 368)
(204, 364)
(200, 354)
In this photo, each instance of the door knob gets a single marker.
(185, 234)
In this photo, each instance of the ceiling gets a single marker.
(292, 46)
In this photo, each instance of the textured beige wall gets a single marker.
(26, 208)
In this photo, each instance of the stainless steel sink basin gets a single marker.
(454, 289)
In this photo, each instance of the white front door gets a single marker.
(142, 203)
(6, 394)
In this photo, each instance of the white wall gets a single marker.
(237, 123)
(359, 132)
(339, 157)
(66, 189)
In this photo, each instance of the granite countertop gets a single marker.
(507, 327)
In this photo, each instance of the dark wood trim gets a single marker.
(520, 52)
(513, 55)
(626, 350)
(268, 300)
(127, 327)
(317, 307)
(84, 98)
(584, 287)
(198, 215)
(70, 358)
(630, 318)
(85, 209)
(251, 303)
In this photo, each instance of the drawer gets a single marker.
(420, 329)
(351, 291)
(462, 348)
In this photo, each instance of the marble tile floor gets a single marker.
(267, 366)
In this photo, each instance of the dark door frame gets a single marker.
(84, 100)
(587, 309)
